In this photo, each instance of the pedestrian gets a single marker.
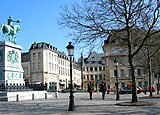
(103, 89)
(90, 90)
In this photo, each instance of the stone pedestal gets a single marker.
(11, 71)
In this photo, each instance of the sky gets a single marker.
(38, 22)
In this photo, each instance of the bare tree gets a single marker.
(94, 20)
(156, 68)
(147, 55)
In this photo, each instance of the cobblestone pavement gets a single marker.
(84, 106)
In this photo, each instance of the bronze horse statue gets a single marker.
(10, 31)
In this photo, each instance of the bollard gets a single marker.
(33, 96)
(45, 95)
(56, 94)
(17, 97)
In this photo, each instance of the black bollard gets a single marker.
(17, 97)
(45, 95)
(33, 96)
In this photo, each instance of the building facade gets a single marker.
(49, 66)
(93, 70)
(113, 50)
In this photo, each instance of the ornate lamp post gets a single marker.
(117, 79)
(70, 49)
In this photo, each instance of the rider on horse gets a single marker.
(10, 20)
(9, 29)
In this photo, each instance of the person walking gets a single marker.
(90, 90)
(103, 89)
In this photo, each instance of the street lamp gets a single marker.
(70, 49)
(116, 73)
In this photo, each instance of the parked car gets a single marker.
(153, 89)
(68, 90)
(127, 90)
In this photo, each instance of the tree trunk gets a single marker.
(134, 86)
(150, 78)
(158, 82)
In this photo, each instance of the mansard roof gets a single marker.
(93, 58)
(43, 45)
(62, 55)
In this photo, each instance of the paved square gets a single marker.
(84, 106)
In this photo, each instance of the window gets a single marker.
(59, 70)
(86, 68)
(12, 75)
(91, 68)
(139, 72)
(103, 68)
(100, 68)
(92, 77)
(34, 66)
(49, 55)
(55, 57)
(8, 76)
(34, 46)
(121, 61)
(155, 75)
(34, 56)
(83, 68)
(39, 55)
(52, 56)
(39, 45)
(39, 65)
(104, 76)
(52, 67)
(96, 77)
(93, 62)
(122, 73)
(19, 75)
(55, 67)
(114, 51)
(95, 68)
(84, 77)
(121, 51)
(87, 77)
(129, 73)
(49, 66)
(100, 77)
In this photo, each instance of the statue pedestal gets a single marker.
(11, 71)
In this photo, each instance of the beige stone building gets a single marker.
(45, 64)
(112, 50)
(93, 70)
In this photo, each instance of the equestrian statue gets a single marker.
(9, 30)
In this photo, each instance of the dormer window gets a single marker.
(34, 46)
(39, 45)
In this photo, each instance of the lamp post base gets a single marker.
(117, 97)
(71, 103)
